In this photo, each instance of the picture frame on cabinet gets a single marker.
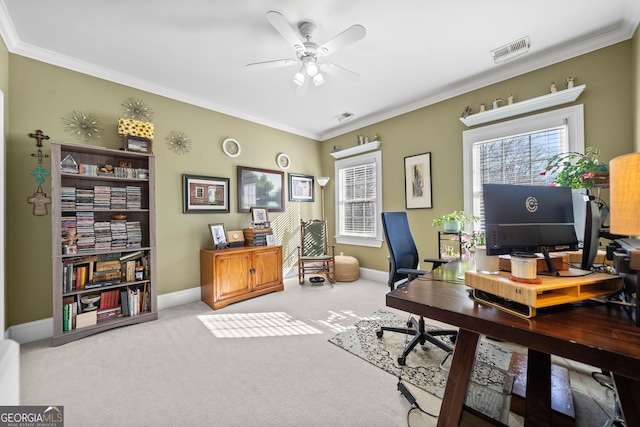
(260, 188)
(137, 144)
(301, 188)
(205, 194)
(259, 216)
(417, 181)
(218, 236)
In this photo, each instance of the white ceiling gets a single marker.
(415, 53)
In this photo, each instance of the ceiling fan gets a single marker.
(308, 53)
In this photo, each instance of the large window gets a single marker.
(516, 151)
(359, 200)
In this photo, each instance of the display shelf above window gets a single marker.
(534, 104)
(358, 149)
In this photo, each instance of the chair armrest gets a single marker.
(437, 262)
(412, 272)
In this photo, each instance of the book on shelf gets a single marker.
(88, 318)
(69, 312)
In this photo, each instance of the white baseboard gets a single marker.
(42, 329)
(174, 299)
(31, 331)
(375, 275)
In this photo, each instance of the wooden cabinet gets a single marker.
(236, 274)
(114, 258)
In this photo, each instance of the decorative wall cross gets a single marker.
(39, 136)
(39, 200)
(40, 173)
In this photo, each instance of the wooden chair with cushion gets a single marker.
(315, 255)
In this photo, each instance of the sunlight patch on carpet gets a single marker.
(255, 325)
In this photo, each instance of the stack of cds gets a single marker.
(134, 197)
(67, 198)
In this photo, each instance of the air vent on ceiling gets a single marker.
(344, 116)
(511, 50)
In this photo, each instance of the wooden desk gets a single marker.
(599, 335)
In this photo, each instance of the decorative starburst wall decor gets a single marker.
(178, 142)
(83, 126)
(136, 109)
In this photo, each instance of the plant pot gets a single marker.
(451, 226)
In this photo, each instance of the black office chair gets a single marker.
(403, 263)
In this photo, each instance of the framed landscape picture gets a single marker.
(417, 181)
(204, 194)
(301, 188)
(260, 188)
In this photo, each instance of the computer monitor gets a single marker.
(587, 221)
(529, 219)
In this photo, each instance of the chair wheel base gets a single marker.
(379, 333)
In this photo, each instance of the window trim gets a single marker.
(572, 116)
(376, 241)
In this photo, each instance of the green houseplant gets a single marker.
(576, 170)
(454, 221)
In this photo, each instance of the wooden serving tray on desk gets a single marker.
(523, 299)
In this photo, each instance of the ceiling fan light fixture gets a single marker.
(312, 69)
(318, 79)
(299, 78)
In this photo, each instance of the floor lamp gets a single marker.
(322, 182)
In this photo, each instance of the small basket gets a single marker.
(316, 280)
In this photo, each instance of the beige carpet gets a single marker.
(175, 371)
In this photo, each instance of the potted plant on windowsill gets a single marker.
(454, 221)
(577, 170)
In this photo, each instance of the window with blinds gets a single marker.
(358, 200)
(516, 152)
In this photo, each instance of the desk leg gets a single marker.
(628, 391)
(455, 392)
(538, 401)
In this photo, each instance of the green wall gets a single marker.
(44, 93)
(41, 94)
(437, 129)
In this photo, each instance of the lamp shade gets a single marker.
(624, 183)
(322, 180)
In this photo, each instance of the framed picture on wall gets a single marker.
(301, 188)
(260, 187)
(204, 194)
(417, 181)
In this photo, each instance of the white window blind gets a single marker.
(359, 200)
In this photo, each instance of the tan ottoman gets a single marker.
(347, 268)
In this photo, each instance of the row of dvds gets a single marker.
(101, 198)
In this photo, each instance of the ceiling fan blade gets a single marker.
(285, 30)
(302, 90)
(345, 38)
(336, 70)
(272, 64)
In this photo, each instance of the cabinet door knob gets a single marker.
(252, 271)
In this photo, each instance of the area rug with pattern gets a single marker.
(423, 366)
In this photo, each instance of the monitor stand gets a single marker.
(551, 268)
